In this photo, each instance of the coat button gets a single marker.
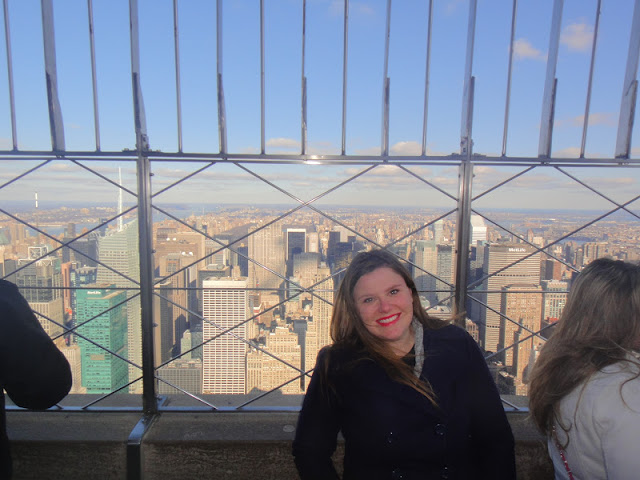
(397, 474)
(390, 438)
(440, 429)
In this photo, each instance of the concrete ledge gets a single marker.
(234, 445)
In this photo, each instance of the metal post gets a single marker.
(629, 89)
(144, 221)
(549, 97)
(464, 212)
(55, 114)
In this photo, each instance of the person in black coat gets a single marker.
(412, 395)
(34, 373)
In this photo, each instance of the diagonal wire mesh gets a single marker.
(286, 215)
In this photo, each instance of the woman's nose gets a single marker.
(383, 305)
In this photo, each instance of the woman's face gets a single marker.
(385, 305)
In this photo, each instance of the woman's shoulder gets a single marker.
(334, 355)
(450, 332)
(616, 385)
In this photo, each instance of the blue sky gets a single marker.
(323, 69)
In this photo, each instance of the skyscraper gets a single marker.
(106, 324)
(40, 282)
(521, 304)
(118, 249)
(478, 229)
(266, 247)
(504, 262)
(554, 299)
(445, 271)
(265, 372)
(318, 330)
(426, 260)
(224, 306)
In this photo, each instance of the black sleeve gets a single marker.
(491, 435)
(318, 426)
(33, 371)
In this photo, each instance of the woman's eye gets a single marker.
(394, 291)
(367, 300)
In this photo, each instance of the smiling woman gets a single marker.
(411, 394)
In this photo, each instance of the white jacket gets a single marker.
(604, 421)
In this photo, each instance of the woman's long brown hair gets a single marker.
(347, 329)
(599, 325)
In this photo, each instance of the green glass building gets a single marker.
(102, 371)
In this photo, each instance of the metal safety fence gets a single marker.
(204, 279)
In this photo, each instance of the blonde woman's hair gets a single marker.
(599, 325)
(348, 330)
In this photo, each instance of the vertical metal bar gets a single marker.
(145, 230)
(589, 86)
(508, 97)
(94, 78)
(385, 86)
(548, 100)
(222, 120)
(176, 48)
(464, 219)
(344, 76)
(262, 99)
(134, 447)
(49, 41)
(463, 239)
(303, 125)
(12, 103)
(427, 76)
(465, 142)
(629, 89)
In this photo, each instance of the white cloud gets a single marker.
(406, 148)
(570, 152)
(635, 152)
(522, 49)
(281, 142)
(577, 37)
(373, 151)
(615, 182)
(5, 143)
(605, 118)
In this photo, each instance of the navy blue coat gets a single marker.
(393, 432)
(33, 371)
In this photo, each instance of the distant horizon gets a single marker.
(25, 206)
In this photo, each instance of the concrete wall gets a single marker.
(68, 446)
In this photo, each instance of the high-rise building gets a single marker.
(73, 355)
(521, 305)
(425, 258)
(504, 264)
(183, 373)
(265, 372)
(305, 267)
(225, 308)
(594, 250)
(478, 230)
(102, 318)
(267, 249)
(554, 299)
(118, 250)
(445, 270)
(40, 283)
(80, 277)
(318, 332)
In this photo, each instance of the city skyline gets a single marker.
(240, 65)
